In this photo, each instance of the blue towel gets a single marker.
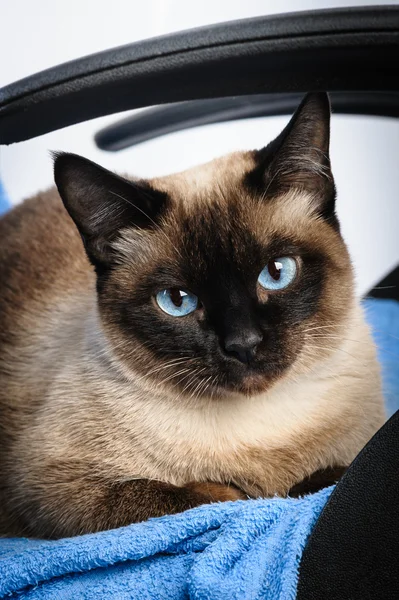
(235, 550)
(383, 316)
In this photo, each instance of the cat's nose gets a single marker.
(243, 345)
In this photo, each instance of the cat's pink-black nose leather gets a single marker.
(243, 345)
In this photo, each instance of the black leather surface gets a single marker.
(353, 551)
(162, 120)
(388, 287)
(342, 49)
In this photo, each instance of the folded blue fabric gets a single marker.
(230, 550)
(234, 550)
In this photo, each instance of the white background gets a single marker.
(37, 34)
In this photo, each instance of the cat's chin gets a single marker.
(252, 384)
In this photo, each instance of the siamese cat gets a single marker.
(187, 339)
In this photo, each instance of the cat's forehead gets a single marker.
(203, 182)
(213, 213)
(215, 199)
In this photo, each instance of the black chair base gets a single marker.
(353, 551)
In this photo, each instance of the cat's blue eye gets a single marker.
(176, 303)
(278, 273)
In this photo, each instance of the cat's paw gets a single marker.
(215, 492)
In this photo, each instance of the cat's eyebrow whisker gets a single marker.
(148, 217)
(277, 174)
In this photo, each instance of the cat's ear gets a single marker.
(299, 156)
(102, 203)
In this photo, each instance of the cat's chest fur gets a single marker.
(264, 444)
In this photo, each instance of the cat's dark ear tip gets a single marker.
(57, 157)
(61, 159)
(319, 101)
(67, 166)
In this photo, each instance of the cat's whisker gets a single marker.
(382, 332)
(338, 349)
(170, 364)
(308, 352)
(176, 361)
(192, 380)
(199, 388)
(214, 384)
(174, 375)
(394, 354)
(374, 330)
(320, 327)
(204, 391)
(208, 385)
(132, 350)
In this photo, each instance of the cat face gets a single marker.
(225, 278)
